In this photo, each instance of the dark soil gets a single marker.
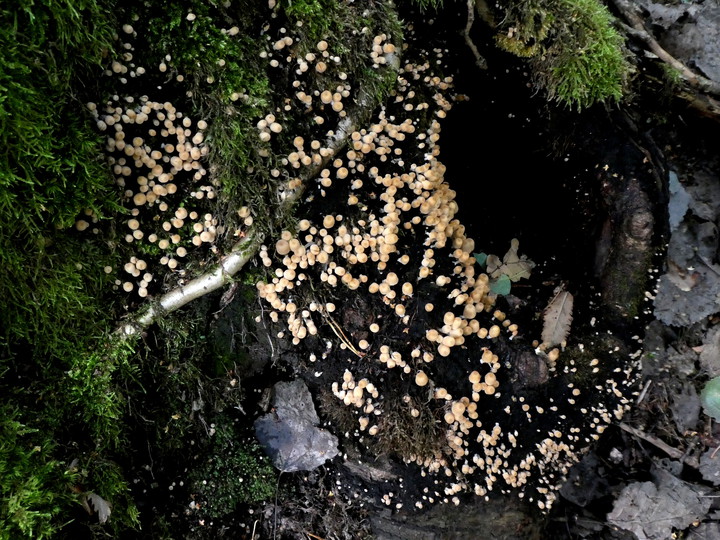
(522, 169)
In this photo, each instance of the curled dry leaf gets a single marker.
(101, 506)
(557, 319)
(514, 266)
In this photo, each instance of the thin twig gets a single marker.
(479, 60)
(669, 450)
(644, 391)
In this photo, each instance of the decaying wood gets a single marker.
(629, 236)
(500, 517)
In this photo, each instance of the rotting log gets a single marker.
(627, 237)
(634, 194)
(501, 517)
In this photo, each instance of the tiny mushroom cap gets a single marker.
(328, 221)
(282, 247)
(421, 378)
(458, 408)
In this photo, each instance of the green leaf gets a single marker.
(481, 258)
(710, 398)
(501, 286)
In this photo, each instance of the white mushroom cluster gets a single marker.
(157, 154)
(392, 239)
(383, 51)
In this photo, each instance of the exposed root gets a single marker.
(479, 60)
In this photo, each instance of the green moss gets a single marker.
(91, 388)
(53, 286)
(577, 54)
(234, 472)
(317, 16)
(672, 77)
(587, 64)
(51, 170)
(532, 22)
(107, 479)
(34, 487)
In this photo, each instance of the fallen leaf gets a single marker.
(481, 258)
(557, 319)
(514, 266)
(652, 509)
(101, 506)
(501, 286)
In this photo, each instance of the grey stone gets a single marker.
(289, 433)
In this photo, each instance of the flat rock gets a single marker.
(289, 433)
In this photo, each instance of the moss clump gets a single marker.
(50, 171)
(412, 438)
(34, 487)
(49, 167)
(54, 186)
(234, 472)
(576, 53)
